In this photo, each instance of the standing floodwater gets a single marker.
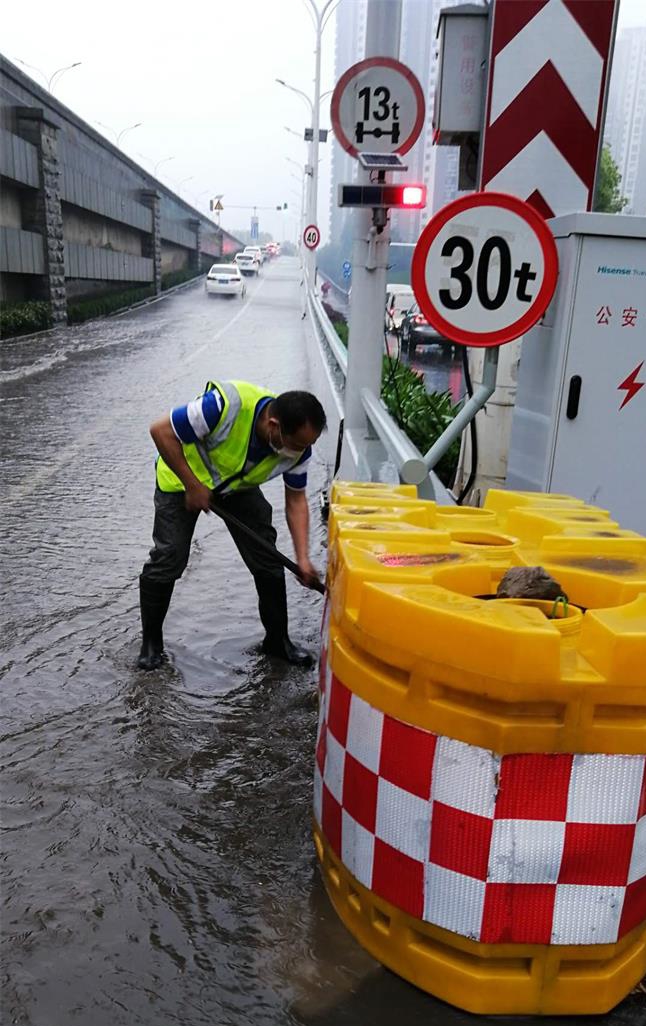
(158, 863)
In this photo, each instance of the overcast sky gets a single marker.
(201, 79)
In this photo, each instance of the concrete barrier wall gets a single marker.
(76, 212)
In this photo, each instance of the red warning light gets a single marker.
(414, 196)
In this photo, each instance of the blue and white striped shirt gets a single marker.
(198, 418)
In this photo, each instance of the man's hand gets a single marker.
(198, 498)
(309, 576)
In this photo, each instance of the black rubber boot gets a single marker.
(272, 605)
(154, 600)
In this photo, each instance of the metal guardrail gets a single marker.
(412, 466)
(325, 326)
(407, 458)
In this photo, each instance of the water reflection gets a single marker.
(440, 366)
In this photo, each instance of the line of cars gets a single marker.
(404, 319)
(228, 279)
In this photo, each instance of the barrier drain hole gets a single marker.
(418, 559)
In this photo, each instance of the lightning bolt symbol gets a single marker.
(630, 385)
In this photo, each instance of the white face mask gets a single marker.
(284, 450)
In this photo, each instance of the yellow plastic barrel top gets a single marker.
(480, 788)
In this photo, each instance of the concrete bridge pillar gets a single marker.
(195, 260)
(152, 245)
(42, 213)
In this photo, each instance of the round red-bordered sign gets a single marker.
(452, 269)
(311, 236)
(412, 95)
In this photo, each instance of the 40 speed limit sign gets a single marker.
(484, 269)
(311, 236)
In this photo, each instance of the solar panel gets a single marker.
(382, 162)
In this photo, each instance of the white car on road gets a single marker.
(248, 263)
(256, 251)
(225, 280)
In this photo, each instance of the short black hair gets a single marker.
(296, 409)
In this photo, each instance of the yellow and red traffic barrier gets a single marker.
(480, 782)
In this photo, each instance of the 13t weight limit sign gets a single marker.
(377, 107)
(485, 269)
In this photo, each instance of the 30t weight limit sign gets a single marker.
(485, 269)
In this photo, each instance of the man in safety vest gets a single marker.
(224, 444)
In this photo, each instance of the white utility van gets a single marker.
(399, 299)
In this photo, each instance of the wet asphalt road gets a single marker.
(157, 860)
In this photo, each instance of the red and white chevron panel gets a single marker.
(527, 849)
(548, 73)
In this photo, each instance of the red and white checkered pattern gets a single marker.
(527, 849)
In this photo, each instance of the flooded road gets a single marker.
(158, 862)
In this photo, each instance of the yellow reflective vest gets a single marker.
(223, 453)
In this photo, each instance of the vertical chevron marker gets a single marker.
(548, 73)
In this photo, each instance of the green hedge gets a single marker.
(100, 306)
(178, 277)
(421, 415)
(24, 318)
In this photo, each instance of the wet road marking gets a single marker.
(218, 335)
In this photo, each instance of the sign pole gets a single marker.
(369, 265)
(314, 145)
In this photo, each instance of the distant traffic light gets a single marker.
(411, 197)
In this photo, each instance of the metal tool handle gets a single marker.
(267, 546)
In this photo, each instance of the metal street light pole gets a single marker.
(128, 129)
(369, 264)
(61, 72)
(308, 180)
(319, 18)
(160, 162)
(49, 79)
(107, 127)
(301, 178)
(32, 67)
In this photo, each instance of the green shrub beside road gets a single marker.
(86, 309)
(421, 415)
(24, 318)
(178, 277)
(34, 315)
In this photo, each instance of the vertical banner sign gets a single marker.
(254, 228)
(548, 75)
